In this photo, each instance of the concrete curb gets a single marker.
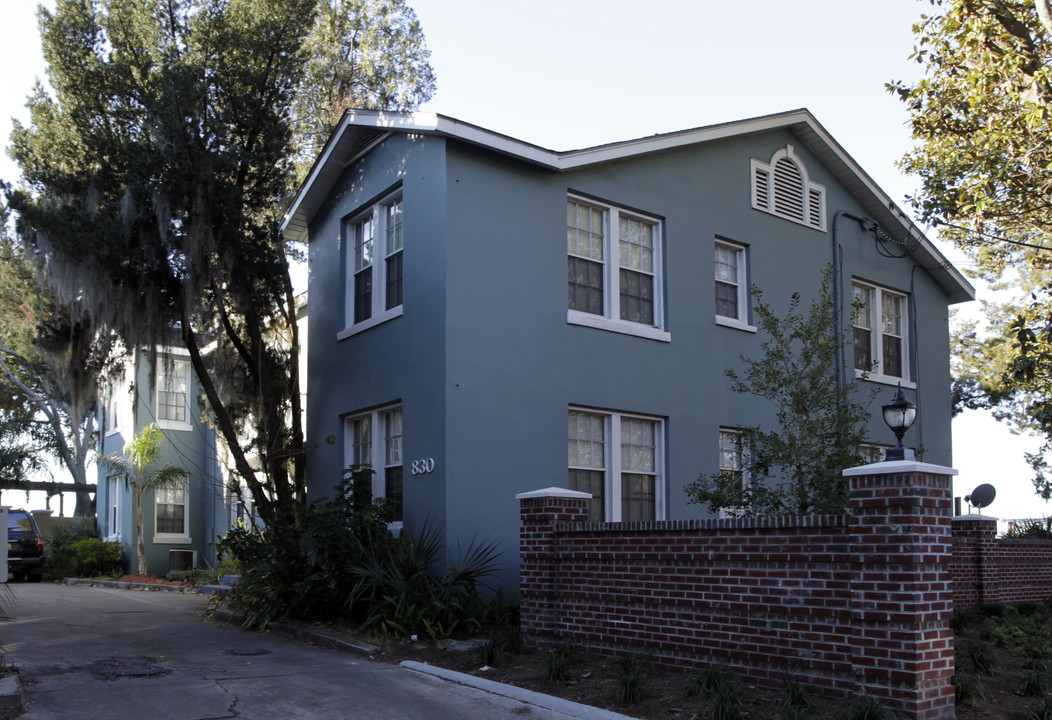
(306, 635)
(547, 702)
(153, 587)
(11, 695)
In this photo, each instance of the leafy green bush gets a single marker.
(94, 557)
(63, 561)
(338, 561)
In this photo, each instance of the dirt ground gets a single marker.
(592, 682)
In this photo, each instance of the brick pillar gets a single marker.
(976, 582)
(902, 586)
(539, 511)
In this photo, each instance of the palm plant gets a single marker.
(137, 464)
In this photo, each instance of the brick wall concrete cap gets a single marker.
(973, 517)
(897, 467)
(553, 492)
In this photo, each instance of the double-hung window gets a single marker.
(171, 518)
(733, 474)
(880, 334)
(114, 485)
(614, 269)
(732, 291)
(173, 400)
(374, 439)
(374, 267)
(619, 459)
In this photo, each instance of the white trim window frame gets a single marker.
(782, 187)
(114, 489)
(172, 395)
(732, 451)
(732, 285)
(615, 269)
(626, 478)
(373, 265)
(880, 336)
(171, 516)
(115, 408)
(374, 439)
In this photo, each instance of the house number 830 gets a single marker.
(423, 466)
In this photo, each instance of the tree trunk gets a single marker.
(138, 527)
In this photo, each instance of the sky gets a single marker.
(575, 73)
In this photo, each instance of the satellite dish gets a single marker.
(982, 496)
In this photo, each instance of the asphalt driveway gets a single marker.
(86, 652)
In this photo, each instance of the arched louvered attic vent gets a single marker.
(782, 187)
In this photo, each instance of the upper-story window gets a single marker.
(880, 338)
(374, 265)
(782, 187)
(732, 291)
(173, 396)
(614, 269)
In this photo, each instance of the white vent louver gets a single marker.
(792, 195)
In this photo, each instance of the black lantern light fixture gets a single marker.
(899, 414)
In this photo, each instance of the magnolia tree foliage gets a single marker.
(155, 176)
(794, 466)
(981, 119)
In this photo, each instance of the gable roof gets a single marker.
(360, 130)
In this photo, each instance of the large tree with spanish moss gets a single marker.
(155, 172)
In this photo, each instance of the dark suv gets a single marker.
(25, 546)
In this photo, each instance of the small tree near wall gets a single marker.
(794, 468)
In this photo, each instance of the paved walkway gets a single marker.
(87, 652)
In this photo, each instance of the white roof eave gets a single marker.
(359, 130)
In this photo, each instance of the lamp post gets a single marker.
(899, 415)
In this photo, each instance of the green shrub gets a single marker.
(869, 708)
(794, 698)
(555, 663)
(94, 557)
(1041, 711)
(979, 657)
(64, 562)
(337, 560)
(1031, 529)
(628, 673)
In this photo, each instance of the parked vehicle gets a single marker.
(25, 546)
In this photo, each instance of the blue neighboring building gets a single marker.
(490, 317)
(186, 519)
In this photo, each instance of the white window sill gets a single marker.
(114, 431)
(161, 539)
(885, 379)
(576, 317)
(112, 538)
(734, 324)
(173, 425)
(371, 322)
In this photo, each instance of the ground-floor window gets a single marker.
(374, 439)
(619, 459)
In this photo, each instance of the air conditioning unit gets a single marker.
(181, 560)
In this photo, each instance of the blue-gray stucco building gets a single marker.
(181, 523)
(489, 317)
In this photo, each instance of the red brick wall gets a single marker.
(848, 603)
(989, 570)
